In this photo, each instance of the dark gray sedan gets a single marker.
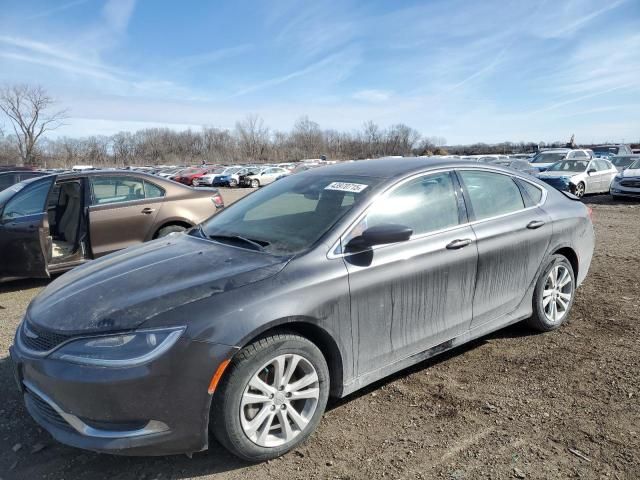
(315, 286)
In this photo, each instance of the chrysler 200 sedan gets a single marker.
(315, 286)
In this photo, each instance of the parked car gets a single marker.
(12, 177)
(580, 177)
(607, 151)
(264, 176)
(244, 179)
(517, 164)
(545, 158)
(53, 223)
(317, 285)
(221, 177)
(623, 161)
(189, 175)
(627, 182)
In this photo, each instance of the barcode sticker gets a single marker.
(346, 187)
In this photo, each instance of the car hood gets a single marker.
(124, 290)
(630, 172)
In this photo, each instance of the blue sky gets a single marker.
(466, 70)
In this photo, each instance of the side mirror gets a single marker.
(381, 235)
(591, 170)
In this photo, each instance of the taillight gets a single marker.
(590, 212)
(217, 201)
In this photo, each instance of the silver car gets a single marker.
(627, 182)
(580, 176)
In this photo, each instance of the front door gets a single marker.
(409, 296)
(24, 230)
(512, 234)
(120, 215)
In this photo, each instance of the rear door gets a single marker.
(24, 230)
(410, 296)
(513, 235)
(122, 212)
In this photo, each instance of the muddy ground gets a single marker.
(512, 405)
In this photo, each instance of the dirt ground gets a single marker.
(512, 405)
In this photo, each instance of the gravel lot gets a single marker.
(513, 405)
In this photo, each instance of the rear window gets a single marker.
(491, 194)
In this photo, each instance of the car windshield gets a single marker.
(548, 157)
(605, 151)
(291, 215)
(569, 166)
(622, 161)
(635, 165)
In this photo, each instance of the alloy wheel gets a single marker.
(279, 400)
(557, 293)
(579, 191)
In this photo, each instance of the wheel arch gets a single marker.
(306, 328)
(570, 254)
(167, 223)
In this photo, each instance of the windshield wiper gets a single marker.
(254, 243)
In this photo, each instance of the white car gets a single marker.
(580, 176)
(545, 158)
(220, 177)
(627, 182)
(265, 176)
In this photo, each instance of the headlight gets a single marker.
(617, 178)
(123, 350)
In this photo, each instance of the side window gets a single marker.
(491, 194)
(532, 194)
(152, 191)
(602, 165)
(116, 189)
(29, 201)
(426, 204)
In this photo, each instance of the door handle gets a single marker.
(460, 243)
(535, 224)
(148, 211)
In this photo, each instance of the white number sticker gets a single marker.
(346, 187)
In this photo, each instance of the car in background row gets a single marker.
(263, 176)
(189, 175)
(53, 223)
(517, 164)
(580, 177)
(607, 151)
(545, 158)
(316, 286)
(12, 177)
(220, 177)
(627, 183)
(623, 161)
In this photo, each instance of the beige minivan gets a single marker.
(54, 223)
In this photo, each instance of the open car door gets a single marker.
(24, 229)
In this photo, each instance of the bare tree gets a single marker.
(253, 138)
(26, 106)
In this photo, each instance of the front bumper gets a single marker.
(621, 191)
(559, 184)
(159, 408)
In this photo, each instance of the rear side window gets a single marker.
(532, 194)
(29, 201)
(152, 191)
(116, 189)
(426, 204)
(491, 194)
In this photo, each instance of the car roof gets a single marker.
(387, 168)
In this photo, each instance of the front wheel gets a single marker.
(554, 294)
(272, 397)
(579, 190)
(255, 183)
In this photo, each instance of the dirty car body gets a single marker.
(187, 303)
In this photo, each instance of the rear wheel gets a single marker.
(554, 295)
(233, 183)
(272, 397)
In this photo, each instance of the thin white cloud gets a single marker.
(214, 56)
(373, 95)
(60, 8)
(117, 13)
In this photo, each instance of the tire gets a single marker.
(164, 231)
(233, 183)
(255, 183)
(579, 190)
(231, 423)
(543, 318)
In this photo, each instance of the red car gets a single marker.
(188, 175)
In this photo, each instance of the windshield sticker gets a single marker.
(346, 187)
